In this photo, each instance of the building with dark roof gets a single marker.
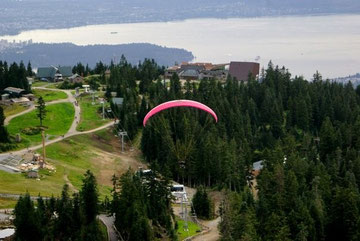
(76, 79)
(198, 71)
(242, 70)
(46, 73)
(53, 73)
(15, 92)
(189, 74)
(66, 71)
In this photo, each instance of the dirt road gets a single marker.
(213, 234)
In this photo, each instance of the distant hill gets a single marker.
(19, 15)
(70, 54)
(354, 79)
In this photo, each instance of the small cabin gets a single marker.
(33, 174)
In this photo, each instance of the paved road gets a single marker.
(109, 222)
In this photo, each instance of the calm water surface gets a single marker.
(330, 44)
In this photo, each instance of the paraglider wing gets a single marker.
(179, 103)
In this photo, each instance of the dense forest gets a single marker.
(14, 75)
(306, 134)
(11, 76)
(141, 203)
(63, 218)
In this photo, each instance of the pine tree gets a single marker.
(202, 204)
(41, 110)
(4, 135)
(64, 209)
(26, 222)
(89, 198)
(29, 71)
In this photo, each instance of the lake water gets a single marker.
(304, 44)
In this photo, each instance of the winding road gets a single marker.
(71, 132)
(108, 221)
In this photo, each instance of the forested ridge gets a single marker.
(64, 218)
(306, 133)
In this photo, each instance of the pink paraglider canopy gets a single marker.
(179, 103)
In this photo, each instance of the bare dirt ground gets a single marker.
(213, 234)
(71, 187)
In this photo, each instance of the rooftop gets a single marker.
(14, 90)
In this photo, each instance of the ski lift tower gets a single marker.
(184, 212)
(122, 134)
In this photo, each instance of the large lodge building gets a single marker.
(198, 71)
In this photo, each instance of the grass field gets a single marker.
(13, 109)
(53, 85)
(182, 234)
(90, 118)
(39, 83)
(98, 152)
(19, 184)
(58, 120)
(7, 203)
(49, 95)
(79, 154)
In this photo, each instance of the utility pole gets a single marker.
(122, 134)
(103, 110)
(93, 98)
(43, 145)
(184, 202)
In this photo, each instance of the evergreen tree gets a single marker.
(29, 71)
(202, 203)
(89, 198)
(26, 222)
(4, 136)
(41, 110)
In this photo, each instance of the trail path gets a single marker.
(213, 234)
(109, 222)
(31, 108)
(71, 132)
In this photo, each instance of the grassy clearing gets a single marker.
(50, 183)
(7, 203)
(50, 95)
(13, 109)
(98, 152)
(53, 85)
(79, 154)
(182, 234)
(90, 118)
(58, 121)
(39, 83)
(91, 151)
